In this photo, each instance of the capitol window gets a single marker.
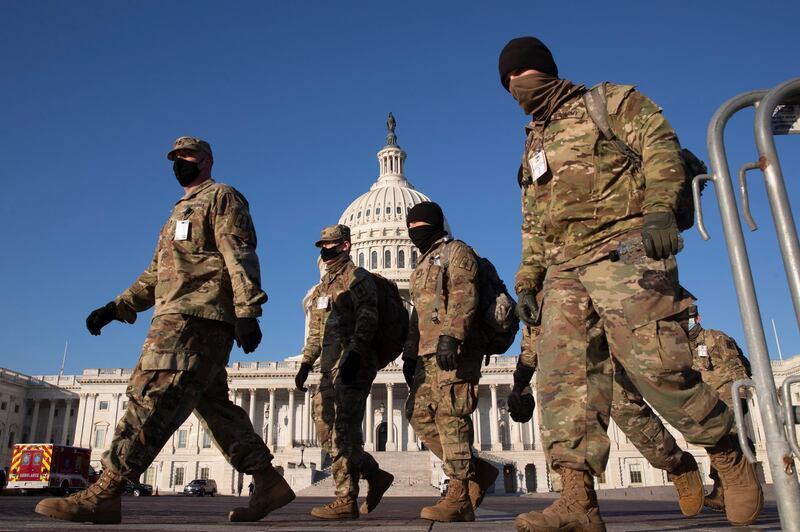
(413, 258)
(360, 260)
(399, 210)
(183, 435)
(387, 259)
(99, 437)
(401, 259)
(374, 260)
(367, 213)
(103, 405)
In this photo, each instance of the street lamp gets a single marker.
(302, 452)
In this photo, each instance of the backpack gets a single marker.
(496, 308)
(390, 336)
(595, 100)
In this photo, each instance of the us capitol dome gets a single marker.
(377, 219)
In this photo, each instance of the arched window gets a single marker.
(387, 259)
(367, 215)
(413, 258)
(360, 260)
(374, 260)
(401, 259)
(399, 210)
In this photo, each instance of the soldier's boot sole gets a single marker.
(322, 512)
(529, 523)
(54, 508)
(281, 494)
(485, 476)
(432, 513)
(378, 485)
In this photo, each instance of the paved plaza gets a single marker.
(624, 510)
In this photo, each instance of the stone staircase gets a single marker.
(411, 470)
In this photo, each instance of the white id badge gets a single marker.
(702, 351)
(322, 302)
(182, 230)
(538, 163)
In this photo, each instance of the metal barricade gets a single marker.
(779, 420)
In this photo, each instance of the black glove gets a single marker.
(528, 309)
(302, 375)
(660, 235)
(520, 406)
(447, 353)
(247, 334)
(348, 367)
(409, 368)
(101, 317)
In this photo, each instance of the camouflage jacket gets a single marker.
(589, 193)
(528, 356)
(459, 306)
(718, 359)
(344, 317)
(205, 262)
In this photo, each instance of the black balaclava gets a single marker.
(525, 53)
(425, 236)
(334, 258)
(185, 171)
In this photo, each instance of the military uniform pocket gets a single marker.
(461, 397)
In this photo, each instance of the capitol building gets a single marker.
(83, 409)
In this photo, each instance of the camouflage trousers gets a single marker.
(337, 418)
(160, 400)
(439, 407)
(637, 306)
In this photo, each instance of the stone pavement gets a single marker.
(646, 509)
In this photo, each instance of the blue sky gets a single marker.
(293, 98)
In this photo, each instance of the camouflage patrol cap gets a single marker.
(189, 143)
(334, 233)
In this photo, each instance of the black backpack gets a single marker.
(595, 101)
(392, 321)
(496, 308)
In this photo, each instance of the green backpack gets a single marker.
(595, 101)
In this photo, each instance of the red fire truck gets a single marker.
(48, 466)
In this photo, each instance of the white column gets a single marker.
(390, 443)
(238, 397)
(531, 439)
(34, 421)
(291, 418)
(271, 417)
(306, 415)
(117, 397)
(517, 443)
(50, 415)
(495, 420)
(476, 422)
(411, 441)
(65, 424)
(80, 420)
(252, 413)
(369, 443)
(536, 430)
(91, 420)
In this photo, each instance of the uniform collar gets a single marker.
(201, 187)
(436, 245)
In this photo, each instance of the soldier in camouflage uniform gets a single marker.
(343, 318)
(445, 348)
(205, 283)
(581, 198)
(721, 362)
(632, 415)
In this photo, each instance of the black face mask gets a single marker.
(185, 171)
(328, 254)
(424, 236)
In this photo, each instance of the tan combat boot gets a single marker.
(715, 500)
(485, 475)
(744, 499)
(100, 503)
(378, 484)
(455, 506)
(340, 508)
(575, 510)
(689, 485)
(271, 492)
